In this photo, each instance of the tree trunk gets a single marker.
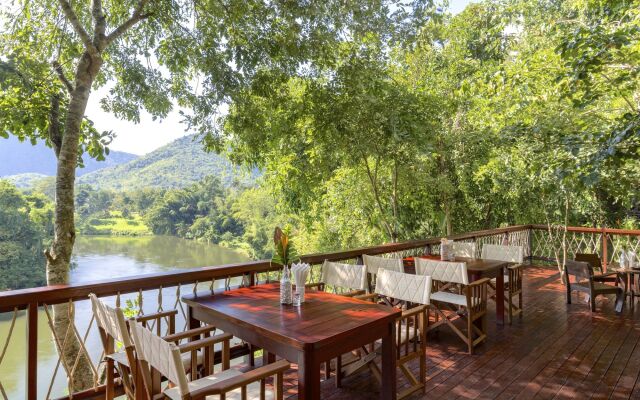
(447, 218)
(59, 255)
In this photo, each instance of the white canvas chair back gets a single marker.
(513, 254)
(348, 276)
(161, 355)
(401, 286)
(374, 263)
(464, 249)
(443, 271)
(112, 320)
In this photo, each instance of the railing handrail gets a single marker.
(50, 295)
(584, 229)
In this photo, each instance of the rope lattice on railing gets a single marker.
(5, 346)
(65, 338)
(548, 244)
(618, 243)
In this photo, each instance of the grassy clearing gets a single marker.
(116, 224)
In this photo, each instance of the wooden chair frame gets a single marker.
(113, 328)
(473, 315)
(596, 263)
(513, 289)
(585, 282)
(411, 346)
(343, 288)
(514, 255)
(221, 387)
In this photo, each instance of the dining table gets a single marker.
(477, 268)
(627, 278)
(322, 328)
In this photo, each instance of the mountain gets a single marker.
(178, 164)
(26, 180)
(22, 157)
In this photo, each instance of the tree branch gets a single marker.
(58, 68)
(77, 26)
(100, 23)
(55, 131)
(136, 17)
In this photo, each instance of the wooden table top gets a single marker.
(322, 319)
(475, 265)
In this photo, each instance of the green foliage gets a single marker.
(25, 225)
(181, 163)
(506, 113)
(285, 252)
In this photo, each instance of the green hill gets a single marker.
(178, 164)
(24, 158)
(26, 180)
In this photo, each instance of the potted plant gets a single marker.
(284, 254)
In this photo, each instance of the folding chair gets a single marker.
(114, 330)
(456, 299)
(374, 263)
(344, 279)
(411, 341)
(464, 249)
(156, 355)
(513, 275)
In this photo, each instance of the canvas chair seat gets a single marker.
(453, 298)
(121, 358)
(404, 337)
(253, 389)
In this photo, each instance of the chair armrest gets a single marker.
(372, 297)
(354, 293)
(413, 311)
(236, 382)
(606, 275)
(202, 343)
(190, 333)
(479, 282)
(159, 315)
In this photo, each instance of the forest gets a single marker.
(509, 112)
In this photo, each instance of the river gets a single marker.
(96, 258)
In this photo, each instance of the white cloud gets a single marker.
(140, 138)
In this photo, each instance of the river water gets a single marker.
(97, 258)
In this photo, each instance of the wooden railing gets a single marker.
(166, 288)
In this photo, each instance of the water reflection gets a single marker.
(98, 258)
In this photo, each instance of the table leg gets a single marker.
(388, 389)
(193, 323)
(308, 377)
(632, 287)
(500, 297)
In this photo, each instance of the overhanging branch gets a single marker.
(136, 17)
(77, 26)
(60, 72)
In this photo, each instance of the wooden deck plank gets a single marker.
(556, 351)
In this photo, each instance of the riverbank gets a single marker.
(115, 224)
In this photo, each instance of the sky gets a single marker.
(148, 135)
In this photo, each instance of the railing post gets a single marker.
(603, 250)
(531, 245)
(32, 351)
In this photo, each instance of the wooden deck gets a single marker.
(556, 351)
